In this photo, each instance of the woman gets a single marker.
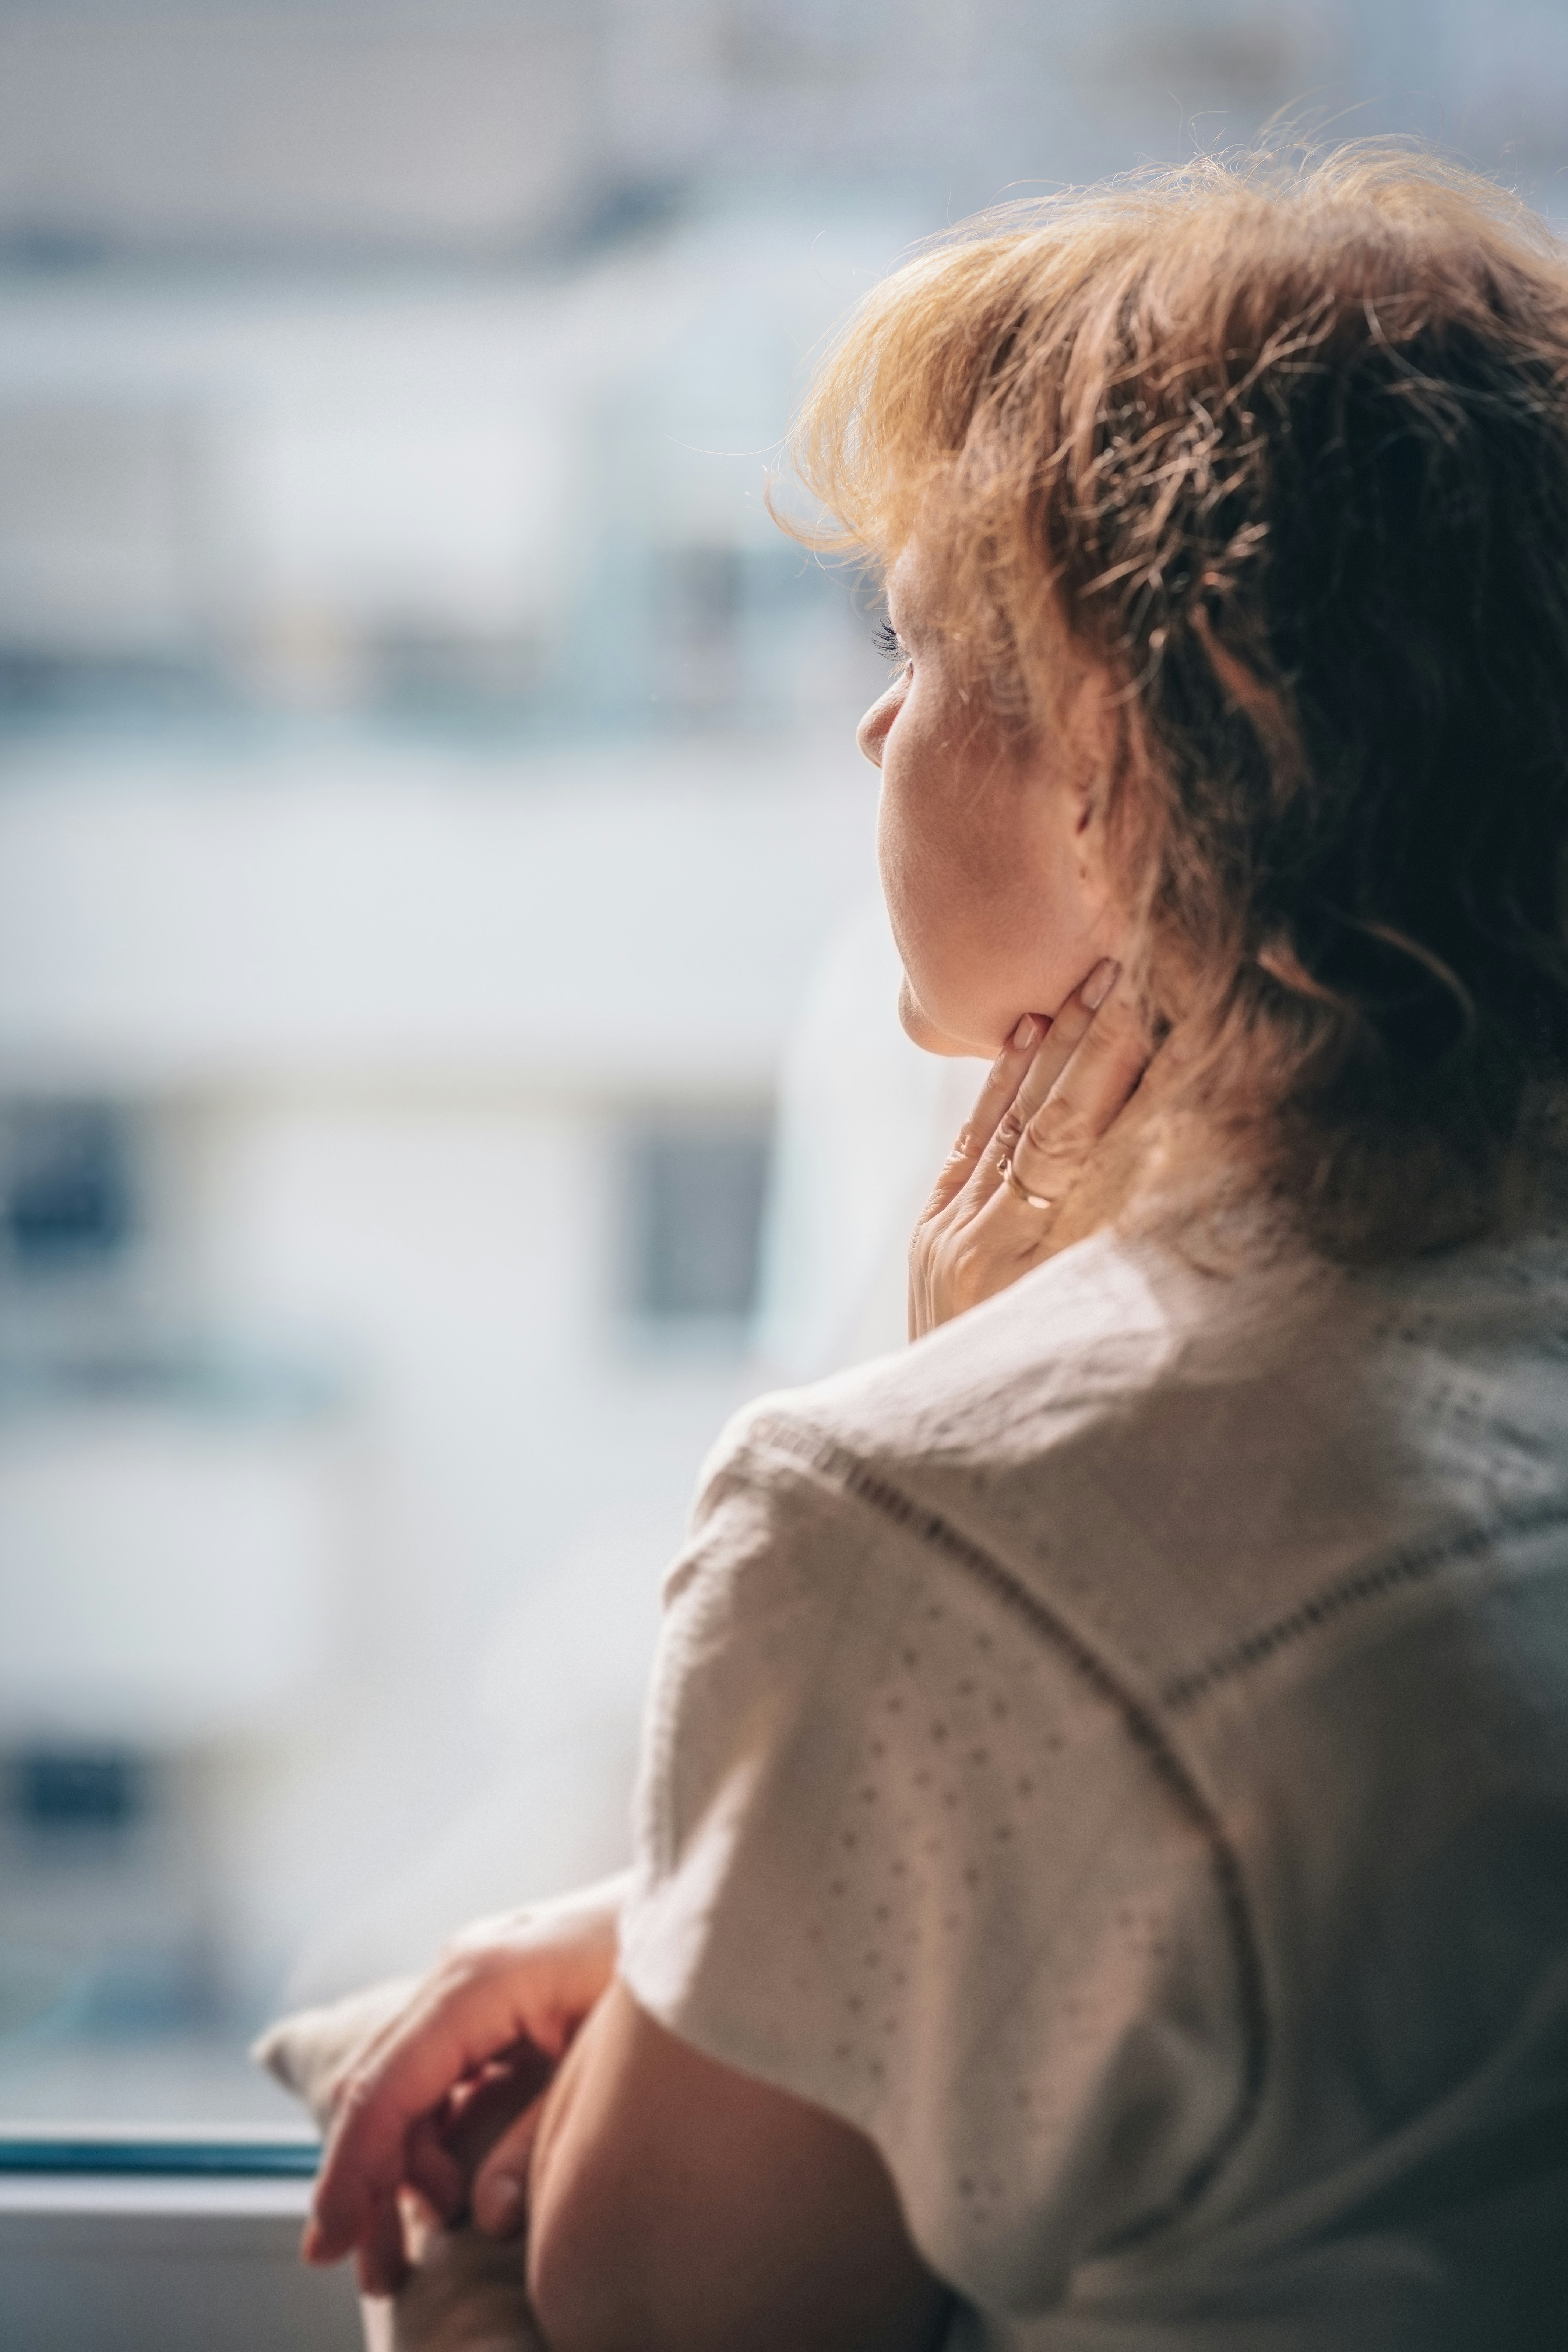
(1102, 1872)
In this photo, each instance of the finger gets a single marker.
(1001, 1082)
(1095, 1087)
(433, 2167)
(382, 2262)
(1066, 1035)
(492, 2103)
(500, 2185)
(1063, 1037)
(446, 2032)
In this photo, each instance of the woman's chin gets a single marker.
(919, 1026)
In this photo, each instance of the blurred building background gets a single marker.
(430, 837)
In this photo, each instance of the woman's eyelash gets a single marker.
(887, 642)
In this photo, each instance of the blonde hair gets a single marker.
(1283, 451)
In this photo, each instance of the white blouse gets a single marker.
(1115, 1754)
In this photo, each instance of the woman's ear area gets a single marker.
(1086, 730)
(1082, 776)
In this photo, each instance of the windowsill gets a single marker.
(154, 2259)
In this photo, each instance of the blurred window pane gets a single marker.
(695, 1194)
(65, 1184)
(62, 1791)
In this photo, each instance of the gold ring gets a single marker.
(1031, 1200)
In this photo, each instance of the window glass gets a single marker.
(695, 1192)
(65, 1191)
(446, 1047)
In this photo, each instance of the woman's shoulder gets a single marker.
(1167, 1457)
(1090, 1322)
(1097, 1347)
(978, 1466)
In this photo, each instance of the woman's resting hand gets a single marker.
(445, 2099)
(1052, 1093)
(671, 2202)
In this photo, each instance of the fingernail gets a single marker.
(1027, 1032)
(1100, 982)
(498, 2207)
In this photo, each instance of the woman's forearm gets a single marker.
(678, 2206)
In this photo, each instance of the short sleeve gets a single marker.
(901, 1853)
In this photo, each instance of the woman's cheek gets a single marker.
(891, 860)
(913, 892)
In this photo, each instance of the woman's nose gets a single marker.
(872, 731)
